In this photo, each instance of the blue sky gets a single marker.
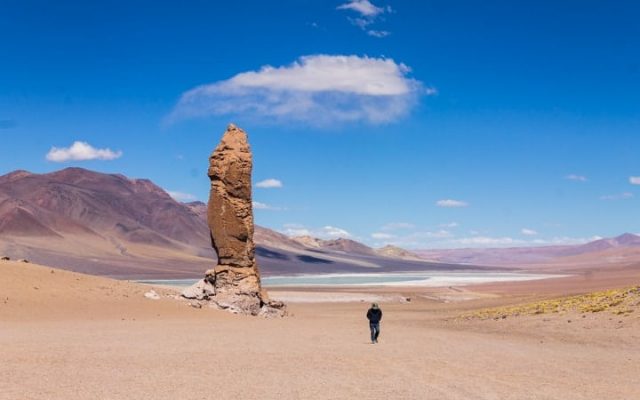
(422, 124)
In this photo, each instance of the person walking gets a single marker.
(374, 315)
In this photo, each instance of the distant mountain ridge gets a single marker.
(109, 224)
(533, 255)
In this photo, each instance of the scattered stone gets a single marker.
(22, 260)
(5, 258)
(151, 294)
(201, 290)
(195, 304)
(234, 284)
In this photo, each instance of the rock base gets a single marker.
(234, 298)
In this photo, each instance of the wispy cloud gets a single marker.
(81, 151)
(316, 89)
(450, 203)
(378, 34)
(618, 196)
(574, 177)
(368, 14)
(296, 230)
(335, 232)
(634, 180)
(392, 226)
(326, 232)
(262, 206)
(362, 7)
(450, 225)
(503, 241)
(382, 235)
(269, 184)
(181, 196)
(528, 232)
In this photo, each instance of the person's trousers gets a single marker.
(375, 330)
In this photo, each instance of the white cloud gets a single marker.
(368, 15)
(180, 196)
(293, 232)
(578, 178)
(440, 234)
(619, 196)
(392, 226)
(262, 206)
(269, 184)
(430, 91)
(335, 232)
(528, 232)
(81, 151)
(486, 241)
(363, 7)
(378, 34)
(326, 232)
(429, 240)
(449, 203)
(450, 225)
(316, 89)
(634, 180)
(382, 235)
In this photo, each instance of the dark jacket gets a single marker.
(374, 315)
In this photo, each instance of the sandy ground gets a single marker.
(70, 336)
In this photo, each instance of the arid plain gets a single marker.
(66, 335)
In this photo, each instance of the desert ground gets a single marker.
(65, 335)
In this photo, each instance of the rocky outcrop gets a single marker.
(234, 284)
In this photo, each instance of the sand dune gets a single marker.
(70, 336)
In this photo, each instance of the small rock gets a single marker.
(196, 304)
(5, 258)
(201, 290)
(151, 294)
(22, 260)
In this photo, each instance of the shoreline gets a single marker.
(408, 279)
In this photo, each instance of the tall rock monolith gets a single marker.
(234, 284)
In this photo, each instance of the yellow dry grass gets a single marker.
(616, 301)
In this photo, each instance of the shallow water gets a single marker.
(433, 279)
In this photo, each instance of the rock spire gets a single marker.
(234, 284)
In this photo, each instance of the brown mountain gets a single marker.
(108, 224)
(78, 201)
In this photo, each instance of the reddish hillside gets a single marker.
(76, 200)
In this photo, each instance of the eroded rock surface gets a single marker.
(234, 284)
